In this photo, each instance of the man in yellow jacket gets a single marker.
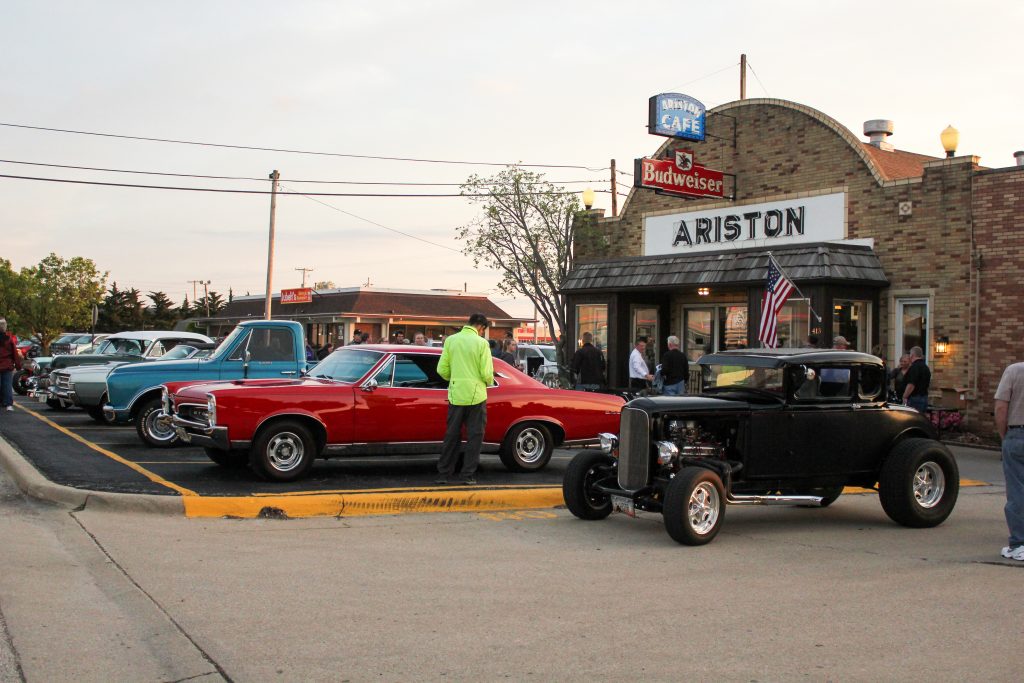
(467, 365)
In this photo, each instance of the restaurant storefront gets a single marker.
(886, 247)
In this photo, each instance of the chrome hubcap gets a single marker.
(702, 510)
(929, 484)
(285, 451)
(530, 445)
(157, 432)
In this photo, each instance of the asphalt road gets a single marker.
(34, 429)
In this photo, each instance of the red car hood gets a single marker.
(201, 389)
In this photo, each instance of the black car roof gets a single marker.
(777, 358)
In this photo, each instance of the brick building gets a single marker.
(891, 249)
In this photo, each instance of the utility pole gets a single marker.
(304, 271)
(615, 194)
(743, 77)
(274, 177)
(206, 295)
(194, 295)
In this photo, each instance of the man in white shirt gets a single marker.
(639, 373)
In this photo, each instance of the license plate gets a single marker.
(623, 505)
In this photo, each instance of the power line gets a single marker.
(751, 67)
(296, 151)
(714, 73)
(231, 191)
(263, 180)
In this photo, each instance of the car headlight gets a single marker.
(609, 442)
(667, 451)
(165, 401)
(211, 409)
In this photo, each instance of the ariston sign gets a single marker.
(679, 175)
(674, 115)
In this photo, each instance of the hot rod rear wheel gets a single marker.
(231, 459)
(527, 447)
(283, 451)
(919, 483)
(150, 431)
(694, 506)
(583, 471)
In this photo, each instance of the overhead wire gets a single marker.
(714, 73)
(247, 178)
(751, 66)
(284, 150)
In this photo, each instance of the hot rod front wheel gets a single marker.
(577, 487)
(694, 506)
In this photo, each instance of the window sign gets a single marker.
(674, 115)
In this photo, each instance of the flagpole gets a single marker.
(782, 270)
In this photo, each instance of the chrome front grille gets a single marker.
(634, 449)
(191, 411)
(62, 380)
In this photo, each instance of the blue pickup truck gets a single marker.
(254, 349)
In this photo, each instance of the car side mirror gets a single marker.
(369, 385)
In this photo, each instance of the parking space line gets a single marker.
(155, 478)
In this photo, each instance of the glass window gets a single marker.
(239, 352)
(870, 382)
(851, 319)
(271, 344)
(794, 323)
(732, 327)
(385, 374)
(593, 318)
(742, 377)
(912, 325)
(418, 371)
(719, 328)
(156, 350)
(698, 335)
(346, 365)
(645, 324)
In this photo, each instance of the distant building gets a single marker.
(335, 315)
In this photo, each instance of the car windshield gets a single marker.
(83, 339)
(346, 365)
(741, 377)
(126, 347)
(178, 352)
(549, 354)
(228, 342)
(66, 339)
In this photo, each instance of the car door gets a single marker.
(271, 353)
(813, 435)
(408, 405)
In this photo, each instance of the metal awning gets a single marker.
(808, 263)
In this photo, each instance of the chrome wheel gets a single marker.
(530, 445)
(929, 484)
(156, 429)
(703, 508)
(285, 451)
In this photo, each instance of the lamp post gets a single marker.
(588, 198)
(950, 139)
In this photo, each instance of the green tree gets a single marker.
(185, 310)
(216, 304)
(11, 289)
(162, 315)
(526, 232)
(58, 295)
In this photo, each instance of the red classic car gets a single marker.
(375, 400)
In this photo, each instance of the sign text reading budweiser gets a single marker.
(666, 175)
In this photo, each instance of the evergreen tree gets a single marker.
(162, 314)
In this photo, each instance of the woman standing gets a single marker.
(10, 360)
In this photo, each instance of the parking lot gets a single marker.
(70, 449)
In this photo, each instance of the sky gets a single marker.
(554, 83)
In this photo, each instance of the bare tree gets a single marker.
(527, 232)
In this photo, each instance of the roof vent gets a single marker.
(878, 130)
(1019, 156)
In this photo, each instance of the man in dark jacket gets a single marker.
(588, 364)
(675, 369)
(918, 379)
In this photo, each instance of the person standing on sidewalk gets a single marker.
(639, 373)
(675, 369)
(918, 378)
(467, 364)
(10, 360)
(1010, 424)
(588, 365)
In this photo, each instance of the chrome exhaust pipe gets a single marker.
(733, 499)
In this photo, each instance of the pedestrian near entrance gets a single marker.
(1010, 424)
(839, 343)
(325, 351)
(639, 373)
(10, 360)
(675, 369)
(467, 364)
(917, 381)
(588, 365)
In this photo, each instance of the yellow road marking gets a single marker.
(362, 504)
(156, 478)
(453, 487)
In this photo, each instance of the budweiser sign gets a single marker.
(296, 296)
(679, 175)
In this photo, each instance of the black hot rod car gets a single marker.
(785, 426)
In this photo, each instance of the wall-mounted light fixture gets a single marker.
(703, 291)
(941, 345)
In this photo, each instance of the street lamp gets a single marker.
(950, 139)
(588, 198)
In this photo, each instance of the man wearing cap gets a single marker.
(467, 364)
(839, 343)
(1010, 424)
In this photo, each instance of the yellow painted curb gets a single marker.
(361, 504)
(856, 490)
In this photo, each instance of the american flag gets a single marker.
(777, 290)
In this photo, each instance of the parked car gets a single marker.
(784, 427)
(376, 400)
(75, 343)
(85, 386)
(257, 348)
(130, 347)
